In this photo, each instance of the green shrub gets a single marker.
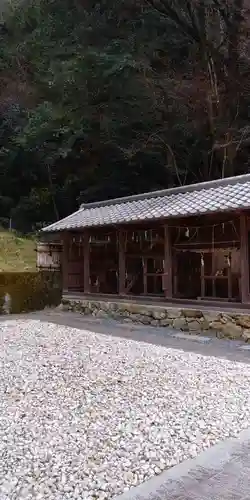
(30, 291)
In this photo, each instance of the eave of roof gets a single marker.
(218, 195)
(166, 192)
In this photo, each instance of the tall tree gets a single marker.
(214, 83)
(111, 98)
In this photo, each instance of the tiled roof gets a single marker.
(215, 196)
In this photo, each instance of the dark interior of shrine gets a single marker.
(204, 256)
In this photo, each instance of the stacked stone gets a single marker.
(232, 325)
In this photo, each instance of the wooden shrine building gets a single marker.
(182, 244)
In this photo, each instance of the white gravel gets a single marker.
(86, 416)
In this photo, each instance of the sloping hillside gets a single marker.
(16, 253)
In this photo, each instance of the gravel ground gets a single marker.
(87, 416)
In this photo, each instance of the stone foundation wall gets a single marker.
(223, 324)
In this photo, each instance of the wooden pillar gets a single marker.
(229, 280)
(86, 261)
(244, 254)
(122, 262)
(65, 260)
(145, 276)
(203, 285)
(175, 274)
(167, 281)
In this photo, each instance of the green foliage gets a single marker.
(106, 99)
(30, 291)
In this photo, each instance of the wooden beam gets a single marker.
(65, 260)
(244, 251)
(86, 261)
(122, 263)
(167, 277)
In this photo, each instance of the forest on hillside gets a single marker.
(109, 98)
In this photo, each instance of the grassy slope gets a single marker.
(16, 253)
